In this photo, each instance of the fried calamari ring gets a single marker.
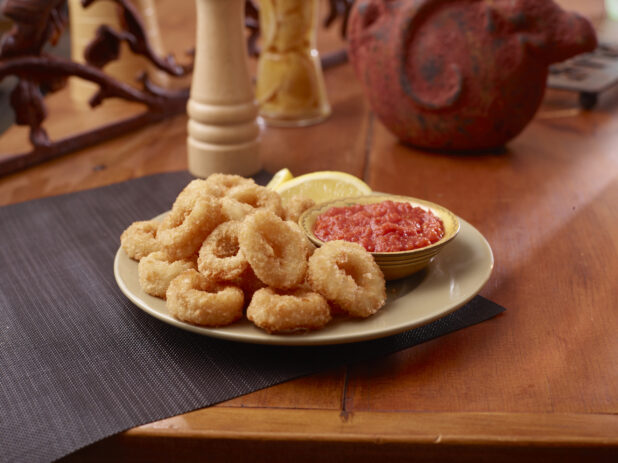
(140, 239)
(243, 200)
(347, 275)
(218, 185)
(278, 312)
(220, 256)
(249, 283)
(156, 271)
(275, 249)
(295, 206)
(185, 228)
(187, 197)
(193, 298)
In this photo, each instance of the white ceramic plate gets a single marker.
(454, 277)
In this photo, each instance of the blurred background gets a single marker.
(63, 48)
(604, 14)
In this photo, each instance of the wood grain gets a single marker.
(241, 434)
(537, 204)
(323, 391)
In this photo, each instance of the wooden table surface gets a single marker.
(537, 383)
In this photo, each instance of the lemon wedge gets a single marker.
(279, 178)
(323, 186)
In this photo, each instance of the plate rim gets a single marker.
(312, 338)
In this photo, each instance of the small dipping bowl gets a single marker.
(397, 264)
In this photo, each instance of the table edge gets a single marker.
(461, 428)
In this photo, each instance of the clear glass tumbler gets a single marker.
(290, 84)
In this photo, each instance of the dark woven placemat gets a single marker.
(79, 362)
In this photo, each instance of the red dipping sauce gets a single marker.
(388, 226)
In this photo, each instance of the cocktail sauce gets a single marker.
(387, 226)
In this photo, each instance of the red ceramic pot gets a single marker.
(460, 74)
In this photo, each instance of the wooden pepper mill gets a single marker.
(223, 128)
